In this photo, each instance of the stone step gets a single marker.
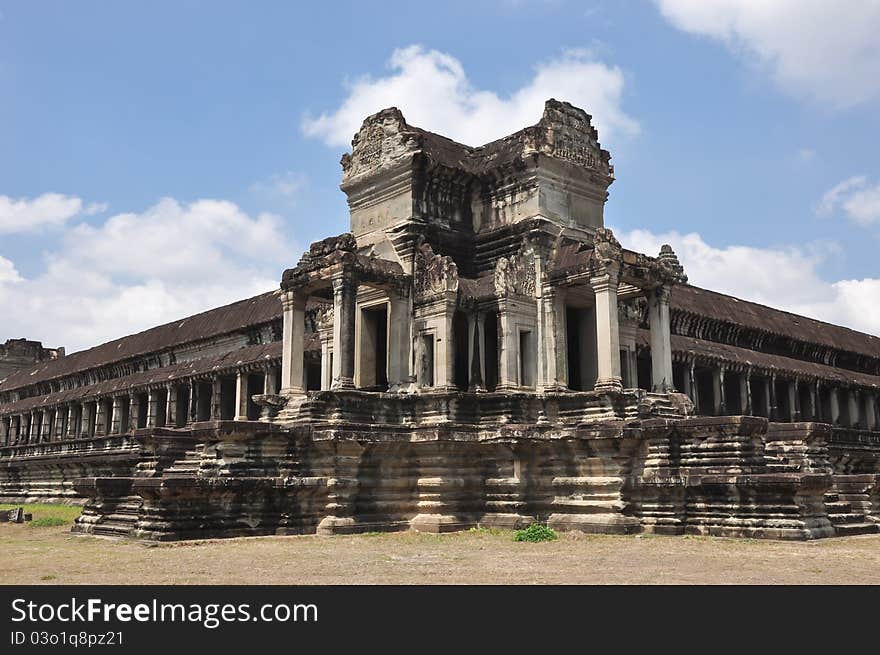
(838, 507)
(849, 529)
(844, 519)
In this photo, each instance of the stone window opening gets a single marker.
(142, 400)
(806, 402)
(643, 371)
(490, 332)
(705, 383)
(732, 399)
(426, 360)
(181, 406)
(373, 360)
(526, 358)
(124, 414)
(783, 404)
(581, 352)
(227, 398)
(256, 384)
(161, 408)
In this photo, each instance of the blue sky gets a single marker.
(157, 159)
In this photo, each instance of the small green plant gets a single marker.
(48, 577)
(47, 522)
(534, 533)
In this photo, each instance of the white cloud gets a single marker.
(794, 284)
(826, 51)
(434, 92)
(806, 154)
(7, 271)
(859, 201)
(47, 210)
(138, 270)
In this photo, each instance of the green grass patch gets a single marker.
(46, 515)
(535, 532)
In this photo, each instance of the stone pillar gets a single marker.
(46, 425)
(271, 380)
(695, 388)
(134, 411)
(870, 411)
(401, 376)
(72, 425)
(4, 430)
(687, 383)
(793, 402)
(152, 407)
(481, 339)
(326, 364)
(216, 393)
(853, 400)
(293, 344)
(719, 405)
(241, 396)
(116, 416)
(193, 401)
(607, 330)
(814, 414)
(834, 401)
(508, 364)
(661, 346)
(84, 420)
(745, 392)
(170, 406)
(552, 341)
(344, 307)
(101, 420)
(444, 353)
(772, 408)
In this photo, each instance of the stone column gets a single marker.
(552, 341)
(216, 392)
(661, 346)
(170, 406)
(344, 307)
(326, 364)
(271, 380)
(72, 424)
(46, 425)
(793, 402)
(400, 359)
(814, 414)
(853, 400)
(772, 408)
(870, 411)
(720, 406)
(834, 401)
(4, 430)
(193, 401)
(116, 416)
(241, 396)
(293, 344)
(695, 389)
(607, 330)
(508, 364)
(152, 407)
(745, 392)
(101, 418)
(134, 412)
(84, 420)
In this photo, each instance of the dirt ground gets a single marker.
(52, 555)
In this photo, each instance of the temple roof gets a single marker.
(236, 316)
(722, 307)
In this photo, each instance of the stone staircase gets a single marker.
(188, 465)
(845, 520)
(661, 405)
(118, 520)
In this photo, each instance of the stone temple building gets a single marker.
(478, 350)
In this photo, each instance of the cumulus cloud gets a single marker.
(794, 285)
(433, 91)
(826, 51)
(137, 270)
(47, 210)
(859, 200)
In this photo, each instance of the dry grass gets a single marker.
(52, 555)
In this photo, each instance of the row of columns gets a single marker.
(154, 407)
(546, 337)
(862, 409)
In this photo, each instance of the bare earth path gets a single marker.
(51, 555)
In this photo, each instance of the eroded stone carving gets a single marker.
(380, 142)
(435, 274)
(515, 275)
